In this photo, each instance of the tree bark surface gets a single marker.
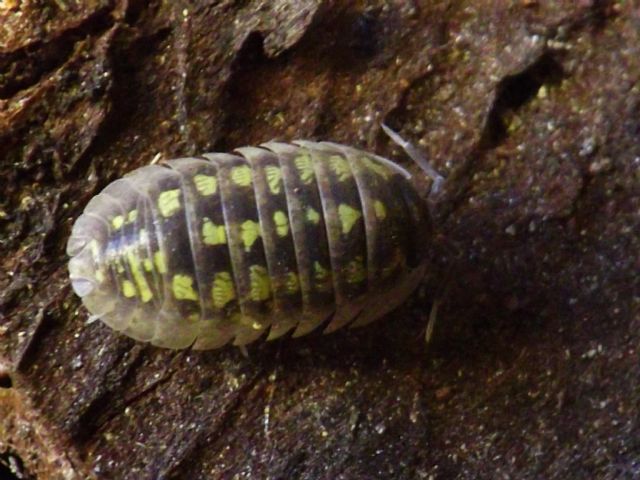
(530, 108)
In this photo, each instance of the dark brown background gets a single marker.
(532, 108)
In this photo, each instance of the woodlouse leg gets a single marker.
(440, 296)
(418, 157)
(433, 315)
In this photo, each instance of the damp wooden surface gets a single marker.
(531, 108)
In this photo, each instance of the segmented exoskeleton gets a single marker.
(202, 251)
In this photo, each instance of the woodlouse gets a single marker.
(202, 251)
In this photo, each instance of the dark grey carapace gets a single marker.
(220, 248)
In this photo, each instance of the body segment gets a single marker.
(282, 237)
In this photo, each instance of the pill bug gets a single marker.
(204, 251)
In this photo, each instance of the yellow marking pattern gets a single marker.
(223, 290)
(160, 261)
(260, 289)
(355, 271)
(257, 325)
(148, 264)
(205, 184)
(376, 167)
(322, 277)
(99, 276)
(348, 217)
(128, 289)
(249, 232)
(340, 167)
(282, 223)
(292, 284)
(132, 215)
(169, 202)
(213, 234)
(241, 176)
(313, 216)
(274, 178)
(304, 164)
(182, 286)
(138, 276)
(380, 209)
(95, 249)
(117, 222)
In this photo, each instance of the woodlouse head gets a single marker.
(89, 277)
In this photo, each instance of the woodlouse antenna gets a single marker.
(418, 157)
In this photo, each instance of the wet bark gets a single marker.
(531, 109)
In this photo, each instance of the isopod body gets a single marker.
(203, 251)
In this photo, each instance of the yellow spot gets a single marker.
(304, 165)
(340, 167)
(348, 217)
(206, 184)
(182, 286)
(223, 290)
(356, 272)
(313, 216)
(138, 276)
(99, 276)
(213, 234)
(282, 223)
(274, 178)
(95, 249)
(119, 267)
(322, 277)
(169, 202)
(132, 215)
(292, 284)
(257, 325)
(241, 176)
(376, 167)
(128, 289)
(260, 284)
(380, 209)
(161, 262)
(148, 265)
(249, 232)
(117, 222)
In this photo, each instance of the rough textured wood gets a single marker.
(531, 107)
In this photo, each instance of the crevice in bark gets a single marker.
(515, 91)
(12, 467)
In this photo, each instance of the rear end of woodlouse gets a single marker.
(203, 251)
